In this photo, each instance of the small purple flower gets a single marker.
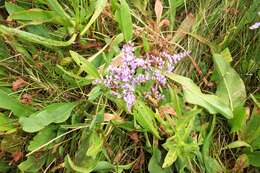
(159, 77)
(141, 79)
(255, 26)
(129, 98)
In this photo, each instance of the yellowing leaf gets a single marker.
(170, 158)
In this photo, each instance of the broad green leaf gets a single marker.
(193, 95)
(95, 143)
(145, 117)
(84, 64)
(100, 5)
(239, 119)
(154, 165)
(213, 165)
(78, 168)
(237, 144)
(125, 20)
(5, 167)
(36, 15)
(10, 103)
(42, 137)
(170, 158)
(12, 7)
(254, 158)
(6, 124)
(231, 88)
(251, 132)
(54, 113)
(35, 38)
(32, 164)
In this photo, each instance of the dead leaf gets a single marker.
(166, 110)
(18, 155)
(184, 28)
(26, 99)
(158, 8)
(109, 117)
(19, 83)
(164, 23)
(134, 136)
(140, 161)
(241, 163)
(118, 156)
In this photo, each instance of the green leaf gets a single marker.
(125, 20)
(237, 144)
(100, 5)
(239, 119)
(35, 15)
(251, 133)
(170, 158)
(78, 168)
(254, 158)
(193, 95)
(231, 88)
(5, 167)
(154, 165)
(95, 143)
(10, 103)
(12, 7)
(42, 137)
(84, 64)
(145, 117)
(32, 164)
(54, 113)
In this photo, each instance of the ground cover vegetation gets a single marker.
(153, 86)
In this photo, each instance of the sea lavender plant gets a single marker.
(135, 71)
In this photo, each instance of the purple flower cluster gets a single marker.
(123, 79)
